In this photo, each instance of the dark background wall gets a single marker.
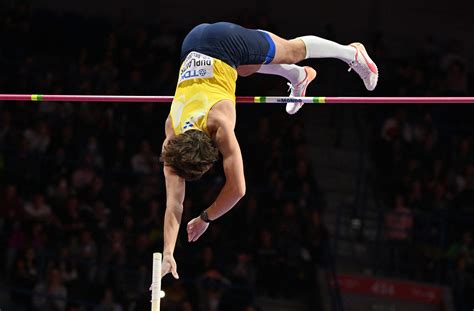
(404, 18)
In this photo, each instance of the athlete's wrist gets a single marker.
(208, 215)
(167, 252)
(205, 217)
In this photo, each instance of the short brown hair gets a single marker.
(190, 154)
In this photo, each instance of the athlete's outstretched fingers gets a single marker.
(169, 266)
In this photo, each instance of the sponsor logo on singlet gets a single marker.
(196, 65)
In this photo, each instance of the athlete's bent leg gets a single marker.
(293, 73)
(355, 55)
(295, 50)
(299, 78)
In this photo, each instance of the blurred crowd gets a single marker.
(82, 194)
(82, 191)
(425, 177)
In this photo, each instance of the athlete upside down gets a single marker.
(202, 118)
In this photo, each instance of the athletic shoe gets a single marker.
(299, 90)
(365, 67)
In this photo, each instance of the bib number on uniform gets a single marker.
(196, 65)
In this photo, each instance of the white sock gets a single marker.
(321, 48)
(293, 73)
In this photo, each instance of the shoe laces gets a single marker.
(363, 71)
(290, 87)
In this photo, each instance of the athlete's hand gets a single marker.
(169, 266)
(196, 227)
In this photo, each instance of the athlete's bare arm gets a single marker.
(234, 187)
(175, 189)
(222, 120)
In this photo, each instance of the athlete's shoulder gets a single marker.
(222, 114)
(169, 131)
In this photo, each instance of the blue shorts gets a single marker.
(230, 43)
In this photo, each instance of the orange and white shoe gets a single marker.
(299, 90)
(364, 66)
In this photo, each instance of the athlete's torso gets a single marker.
(203, 82)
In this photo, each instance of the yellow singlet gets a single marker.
(203, 82)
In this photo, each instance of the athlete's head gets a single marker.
(190, 154)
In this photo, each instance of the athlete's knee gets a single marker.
(292, 57)
(297, 50)
(294, 51)
(247, 70)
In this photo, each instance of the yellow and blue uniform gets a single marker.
(210, 55)
(203, 82)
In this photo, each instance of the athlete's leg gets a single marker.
(287, 52)
(282, 54)
(295, 50)
(293, 73)
(298, 77)
(355, 55)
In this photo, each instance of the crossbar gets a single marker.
(241, 99)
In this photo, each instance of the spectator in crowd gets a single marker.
(38, 210)
(108, 303)
(16, 242)
(462, 282)
(68, 268)
(456, 79)
(10, 206)
(87, 255)
(317, 246)
(268, 263)
(38, 140)
(50, 295)
(175, 296)
(211, 287)
(243, 272)
(24, 279)
(464, 249)
(398, 225)
(72, 219)
(146, 160)
(84, 175)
